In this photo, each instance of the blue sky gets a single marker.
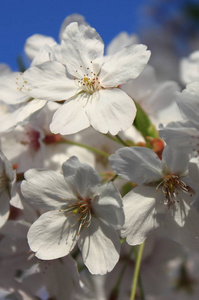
(19, 19)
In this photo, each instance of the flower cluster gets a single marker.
(96, 157)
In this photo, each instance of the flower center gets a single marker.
(88, 82)
(3, 182)
(81, 210)
(171, 184)
(31, 138)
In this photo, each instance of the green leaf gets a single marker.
(143, 124)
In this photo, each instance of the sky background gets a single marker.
(20, 19)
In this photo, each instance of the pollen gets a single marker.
(22, 84)
(80, 211)
(87, 82)
(171, 185)
(75, 211)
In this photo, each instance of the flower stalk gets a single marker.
(92, 149)
(136, 273)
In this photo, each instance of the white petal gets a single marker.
(189, 104)
(137, 164)
(160, 103)
(71, 117)
(47, 54)
(176, 161)
(55, 160)
(111, 110)
(100, 247)
(16, 201)
(8, 121)
(126, 64)
(181, 135)
(10, 91)
(82, 178)
(81, 45)
(45, 188)
(48, 81)
(50, 236)
(122, 40)
(144, 211)
(141, 86)
(182, 224)
(108, 206)
(194, 169)
(70, 19)
(20, 115)
(35, 42)
(29, 110)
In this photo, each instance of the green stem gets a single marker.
(121, 141)
(92, 149)
(111, 137)
(136, 272)
(142, 297)
(114, 177)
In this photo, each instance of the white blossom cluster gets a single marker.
(97, 157)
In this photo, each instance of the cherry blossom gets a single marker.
(184, 135)
(162, 198)
(81, 211)
(89, 82)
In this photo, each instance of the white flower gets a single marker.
(89, 82)
(162, 198)
(184, 135)
(81, 211)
